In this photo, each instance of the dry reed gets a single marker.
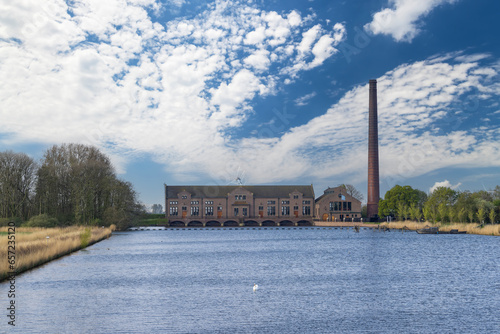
(470, 228)
(33, 248)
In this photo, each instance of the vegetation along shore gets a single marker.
(36, 246)
(490, 229)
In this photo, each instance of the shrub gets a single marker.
(42, 220)
(85, 237)
(6, 221)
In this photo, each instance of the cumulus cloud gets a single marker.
(115, 79)
(446, 184)
(401, 21)
(104, 73)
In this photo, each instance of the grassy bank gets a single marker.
(33, 248)
(470, 228)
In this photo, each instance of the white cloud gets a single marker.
(179, 91)
(446, 184)
(304, 100)
(139, 86)
(401, 21)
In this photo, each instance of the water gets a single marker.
(310, 281)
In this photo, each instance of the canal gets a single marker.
(311, 280)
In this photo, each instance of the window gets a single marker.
(306, 202)
(271, 202)
(344, 206)
(295, 196)
(184, 197)
(174, 202)
(296, 208)
(195, 211)
(219, 208)
(331, 206)
(184, 208)
(209, 211)
(271, 210)
(173, 211)
(240, 197)
(349, 206)
(285, 211)
(244, 197)
(245, 212)
(306, 211)
(285, 202)
(236, 212)
(209, 202)
(261, 208)
(195, 202)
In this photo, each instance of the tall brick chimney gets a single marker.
(373, 171)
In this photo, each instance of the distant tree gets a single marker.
(471, 215)
(452, 213)
(427, 213)
(416, 212)
(352, 191)
(462, 215)
(157, 209)
(443, 212)
(481, 212)
(77, 184)
(405, 195)
(496, 193)
(17, 181)
(364, 211)
(492, 216)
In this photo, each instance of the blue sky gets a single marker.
(271, 92)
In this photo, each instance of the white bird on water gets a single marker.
(255, 287)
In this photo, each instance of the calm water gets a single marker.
(311, 281)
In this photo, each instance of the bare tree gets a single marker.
(352, 191)
(17, 179)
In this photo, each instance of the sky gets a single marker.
(258, 92)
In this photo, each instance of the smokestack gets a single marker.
(373, 171)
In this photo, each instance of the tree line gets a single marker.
(443, 205)
(72, 184)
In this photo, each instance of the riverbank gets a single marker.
(25, 248)
(470, 228)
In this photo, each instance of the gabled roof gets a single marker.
(336, 190)
(258, 191)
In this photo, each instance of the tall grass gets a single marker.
(33, 248)
(470, 228)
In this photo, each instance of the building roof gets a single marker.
(272, 191)
(338, 190)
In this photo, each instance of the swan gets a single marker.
(255, 287)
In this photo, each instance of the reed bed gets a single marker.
(470, 228)
(33, 248)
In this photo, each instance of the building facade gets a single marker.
(239, 205)
(337, 205)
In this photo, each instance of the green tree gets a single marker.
(462, 215)
(492, 216)
(480, 214)
(471, 215)
(443, 212)
(452, 214)
(398, 194)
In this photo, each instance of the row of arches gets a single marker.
(232, 223)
